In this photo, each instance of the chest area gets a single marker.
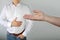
(15, 12)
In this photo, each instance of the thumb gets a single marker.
(15, 19)
(36, 11)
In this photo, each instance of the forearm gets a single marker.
(3, 18)
(5, 23)
(28, 28)
(53, 20)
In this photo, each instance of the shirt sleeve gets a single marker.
(3, 18)
(29, 23)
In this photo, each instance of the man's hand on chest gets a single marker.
(16, 23)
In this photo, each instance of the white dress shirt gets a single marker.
(10, 12)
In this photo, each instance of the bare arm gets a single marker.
(41, 16)
(53, 20)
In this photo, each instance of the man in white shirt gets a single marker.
(12, 18)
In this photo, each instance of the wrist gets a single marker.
(46, 18)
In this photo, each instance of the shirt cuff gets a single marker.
(9, 24)
(24, 34)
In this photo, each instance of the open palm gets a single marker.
(37, 16)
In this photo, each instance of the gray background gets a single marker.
(40, 30)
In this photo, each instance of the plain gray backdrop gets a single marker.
(40, 30)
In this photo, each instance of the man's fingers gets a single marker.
(27, 16)
(21, 36)
(19, 23)
(36, 11)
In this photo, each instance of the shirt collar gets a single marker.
(19, 4)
